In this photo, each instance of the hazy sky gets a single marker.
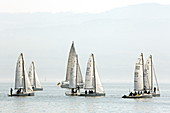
(77, 6)
(116, 37)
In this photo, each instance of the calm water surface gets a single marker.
(53, 100)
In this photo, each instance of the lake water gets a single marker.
(53, 100)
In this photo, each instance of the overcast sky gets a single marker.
(116, 37)
(76, 6)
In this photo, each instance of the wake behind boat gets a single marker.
(22, 83)
(93, 86)
(139, 84)
(33, 77)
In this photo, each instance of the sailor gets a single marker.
(86, 92)
(148, 92)
(130, 94)
(11, 91)
(154, 89)
(72, 90)
(135, 93)
(145, 91)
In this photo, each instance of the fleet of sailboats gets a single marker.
(143, 80)
(33, 77)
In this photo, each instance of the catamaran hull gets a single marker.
(72, 94)
(37, 89)
(140, 96)
(24, 94)
(92, 95)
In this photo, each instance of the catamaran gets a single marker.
(72, 55)
(33, 77)
(149, 78)
(93, 86)
(22, 83)
(75, 78)
(139, 91)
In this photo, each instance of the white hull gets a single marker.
(22, 94)
(72, 94)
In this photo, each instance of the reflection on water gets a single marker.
(53, 100)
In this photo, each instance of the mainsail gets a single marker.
(33, 77)
(139, 72)
(73, 74)
(72, 54)
(76, 78)
(89, 80)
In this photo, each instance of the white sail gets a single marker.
(79, 75)
(138, 75)
(19, 73)
(148, 74)
(89, 80)
(99, 87)
(34, 80)
(73, 74)
(72, 54)
(31, 74)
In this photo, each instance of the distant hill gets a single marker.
(116, 37)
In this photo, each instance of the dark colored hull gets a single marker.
(22, 94)
(155, 95)
(92, 94)
(140, 96)
(38, 89)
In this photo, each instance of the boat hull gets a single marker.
(71, 94)
(37, 89)
(138, 96)
(92, 94)
(155, 95)
(22, 94)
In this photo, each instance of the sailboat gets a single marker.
(22, 83)
(72, 54)
(33, 77)
(93, 86)
(149, 78)
(139, 81)
(75, 78)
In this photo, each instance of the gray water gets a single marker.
(53, 100)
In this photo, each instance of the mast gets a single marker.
(94, 74)
(143, 68)
(34, 74)
(151, 74)
(23, 73)
(156, 79)
(76, 68)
